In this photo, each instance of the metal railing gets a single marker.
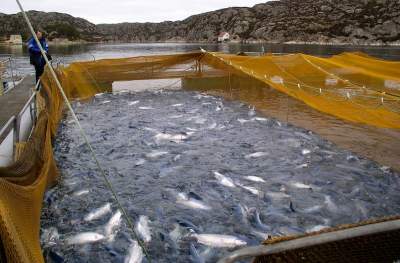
(8, 64)
(9, 61)
(312, 240)
(18, 129)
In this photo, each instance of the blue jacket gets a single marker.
(34, 48)
(34, 51)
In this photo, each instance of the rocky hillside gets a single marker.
(57, 25)
(326, 21)
(319, 21)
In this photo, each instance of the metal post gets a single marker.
(12, 72)
(16, 135)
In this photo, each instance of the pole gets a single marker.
(82, 132)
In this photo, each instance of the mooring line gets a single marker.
(107, 181)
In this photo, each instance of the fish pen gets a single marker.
(203, 170)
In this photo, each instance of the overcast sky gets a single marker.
(100, 11)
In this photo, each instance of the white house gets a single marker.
(223, 37)
(15, 40)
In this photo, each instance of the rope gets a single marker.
(106, 180)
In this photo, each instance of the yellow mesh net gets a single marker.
(351, 86)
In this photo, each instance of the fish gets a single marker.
(252, 111)
(50, 236)
(225, 181)
(176, 234)
(330, 205)
(191, 129)
(177, 157)
(256, 220)
(241, 213)
(194, 195)
(99, 94)
(305, 151)
(212, 126)
(259, 119)
(105, 102)
(150, 129)
(97, 213)
(183, 199)
(206, 103)
(351, 168)
(177, 138)
(85, 238)
(156, 154)
(352, 158)
(242, 121)
(133, 103)
(304, 165)
(135, 253)
(200, 120)
(278, 195)
(251, 189)
(291, 207)
(195, 256)
(219, 241)
(187, 224)
(142, 227)
(140, 162)
(260, 235)
(81, 192)
(301, 185)
(316, 228)
(385, 169)
(254, 179)
(146, 108)
(256, 155)
(289, 230)
(176, 116)
(313, 209)
(112, 224)
(201, 96)
(177, 105)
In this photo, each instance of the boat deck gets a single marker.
(13, 101)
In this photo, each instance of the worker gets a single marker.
(36, 58)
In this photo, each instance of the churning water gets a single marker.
(186, 165)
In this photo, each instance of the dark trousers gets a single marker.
(39, 68)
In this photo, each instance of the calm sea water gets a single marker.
(70, 53)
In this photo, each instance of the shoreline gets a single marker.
(312, 43)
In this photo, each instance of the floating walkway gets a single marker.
(12, 102)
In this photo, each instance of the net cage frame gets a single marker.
(22, 184)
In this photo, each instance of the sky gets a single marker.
(116, 11)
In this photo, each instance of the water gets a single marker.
(69, 53)
(182, 160)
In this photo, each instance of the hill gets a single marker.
(316, 21)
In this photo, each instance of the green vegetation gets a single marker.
(62, 30)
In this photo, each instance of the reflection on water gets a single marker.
(381, 145)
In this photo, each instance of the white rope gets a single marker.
(108, 183)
